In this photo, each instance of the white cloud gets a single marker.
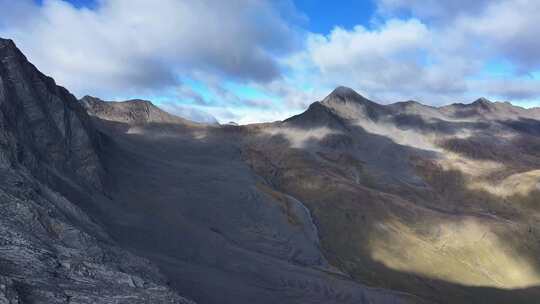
(397, 59)
(484, 28)
(509, 89)
(508, 29)
(371, 58)
(441, 54)
(394, 41)
(189, 112)
(133, 45)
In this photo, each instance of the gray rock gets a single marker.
(50, 250)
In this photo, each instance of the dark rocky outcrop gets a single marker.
(50, 250)
(44, 127)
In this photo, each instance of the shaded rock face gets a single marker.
(43, 127)
(50, 250)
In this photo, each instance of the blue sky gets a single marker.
(90, 4)
(325, 15)
(263, 60)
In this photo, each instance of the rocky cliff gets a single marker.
(43, 126)
(50, 250)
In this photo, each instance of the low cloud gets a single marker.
(510, 89)
(189, 112)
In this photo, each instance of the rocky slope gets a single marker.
(90, 203)
(50, 250)
(407, 197)
(440, 202)
(183, 197)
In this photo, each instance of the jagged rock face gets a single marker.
(43, 127)
(50, 250)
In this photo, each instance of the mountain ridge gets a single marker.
(342, 94)
(345, 93)
(134, 111)
(167, 215)
(51, 164)
(57, 128)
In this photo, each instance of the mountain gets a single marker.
(51, 251)
(183, 196)
(440, 202)
(349, 202)
(124, 203)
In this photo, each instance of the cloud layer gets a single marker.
(440, 52)
(134, 45)
(249, 60)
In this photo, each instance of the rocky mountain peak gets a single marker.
(6, 43)
(483, 103)
(344, 94)
(348, 104)
(9, 49)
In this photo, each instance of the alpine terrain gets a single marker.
(349, 202)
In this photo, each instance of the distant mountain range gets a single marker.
(348, 202)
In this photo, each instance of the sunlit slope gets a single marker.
(434, 201)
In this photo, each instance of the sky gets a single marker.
(263, 60)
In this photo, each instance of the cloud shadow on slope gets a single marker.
(323, 205)
(183, 198)
(333, 211)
